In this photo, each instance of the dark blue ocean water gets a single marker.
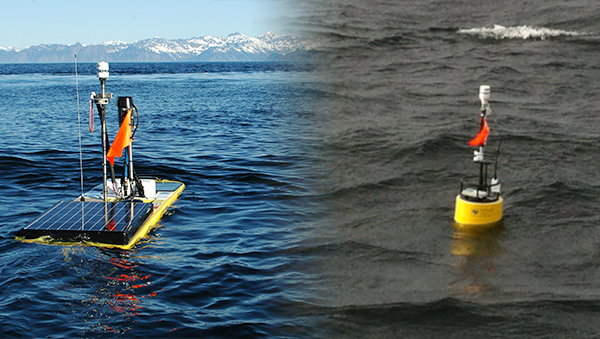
(227, 259)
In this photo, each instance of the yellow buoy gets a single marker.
(479, 202)
(477, 213)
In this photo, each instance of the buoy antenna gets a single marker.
(79, 129)
(496, 160)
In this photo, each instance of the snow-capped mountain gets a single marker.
(234, 47)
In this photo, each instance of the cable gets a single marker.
(137, 121)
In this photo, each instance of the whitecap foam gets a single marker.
(518, 32)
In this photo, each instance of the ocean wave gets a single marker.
(464, 319)
(518, 32)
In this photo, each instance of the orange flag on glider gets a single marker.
(481, 137)
(122, 140)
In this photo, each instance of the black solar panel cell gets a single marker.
(110, 223)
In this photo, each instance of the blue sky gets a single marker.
(25, 23)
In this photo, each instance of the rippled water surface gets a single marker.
(402, 94)
(226, 261)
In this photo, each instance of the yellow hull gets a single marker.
(468, 213)
(159, 211)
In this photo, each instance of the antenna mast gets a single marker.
(101, 101)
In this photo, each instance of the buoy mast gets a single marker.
(484, 96)
(481, 203)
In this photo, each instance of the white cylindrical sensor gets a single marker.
(103, 70)
(484, 94)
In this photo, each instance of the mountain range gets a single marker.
(234, 47)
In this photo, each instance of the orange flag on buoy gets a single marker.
(122, 140)
(481, 137)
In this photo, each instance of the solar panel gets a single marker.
(103, 222)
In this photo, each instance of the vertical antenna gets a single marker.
(79, 128)
(496, 161)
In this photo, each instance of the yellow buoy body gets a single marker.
(477, 213)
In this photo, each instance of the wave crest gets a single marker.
(519, 32)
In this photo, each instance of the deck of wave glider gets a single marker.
(95, 222)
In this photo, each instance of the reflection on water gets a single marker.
(478, 249)
(118, 286)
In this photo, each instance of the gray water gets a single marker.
(401, 105)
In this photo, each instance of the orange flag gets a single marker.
(481, 137)
(122, 140)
